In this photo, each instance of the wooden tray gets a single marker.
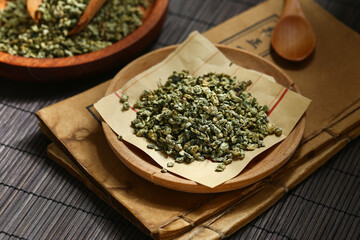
(259, 168)
(81, 66)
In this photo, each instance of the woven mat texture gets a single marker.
(40, 200)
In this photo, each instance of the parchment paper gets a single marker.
(199, 56)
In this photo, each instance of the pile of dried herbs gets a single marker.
(20, 35)
(206, 117)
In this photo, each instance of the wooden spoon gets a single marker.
(32, 7)
(90, 11)
(92, 8)
(293, 37)
(2, 4)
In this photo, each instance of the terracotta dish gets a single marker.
(259, 168)
(89, 64)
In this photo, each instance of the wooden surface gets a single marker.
(259, 168)
(40, 200)
(89, 64)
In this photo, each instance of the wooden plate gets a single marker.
(260, 167)
(81, 66)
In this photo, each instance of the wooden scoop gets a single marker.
(293, 37)
(32, 7)
(90, 11)
(2, 4)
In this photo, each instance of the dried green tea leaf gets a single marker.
(206, 117)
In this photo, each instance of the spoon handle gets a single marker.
(32, 7)
(292, 7)
(90, 11)
(2, 4)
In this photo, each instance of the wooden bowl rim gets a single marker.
(179, 183)
(157, 10)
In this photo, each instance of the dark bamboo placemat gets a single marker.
(39, 200)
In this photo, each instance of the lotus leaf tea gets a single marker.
(210, 117)
(21, 36)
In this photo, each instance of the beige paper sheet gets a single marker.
(200, 56)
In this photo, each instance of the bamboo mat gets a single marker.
(40, 200)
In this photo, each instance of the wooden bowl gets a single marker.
(259, 168)
(89, 64)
